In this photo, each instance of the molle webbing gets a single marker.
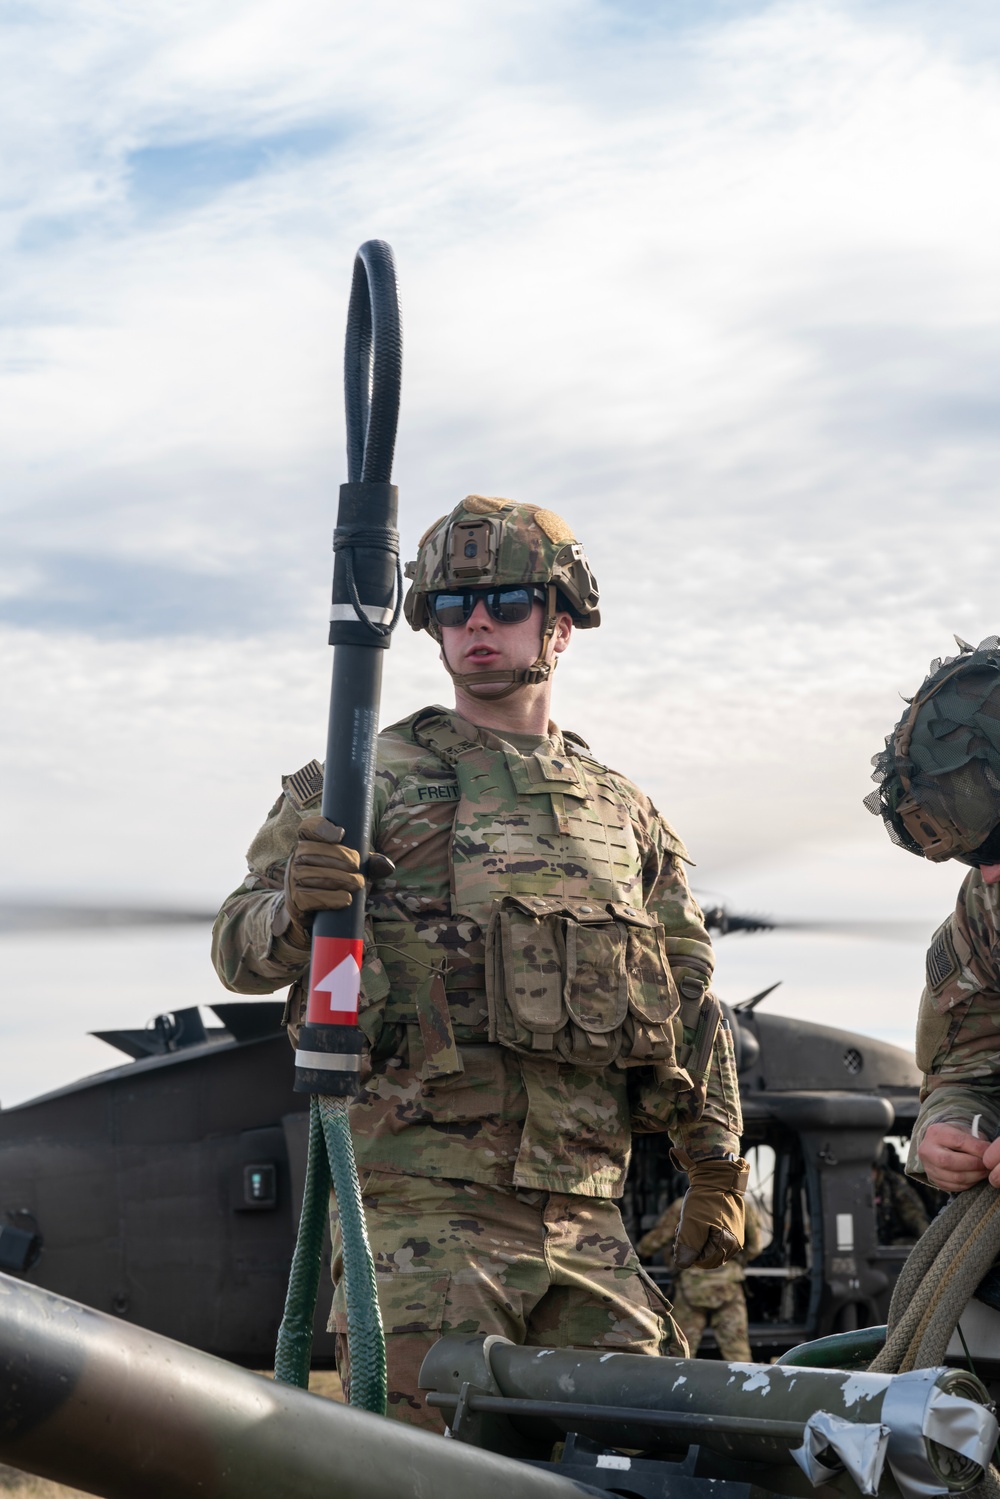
(550, 831)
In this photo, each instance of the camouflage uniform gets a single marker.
(709, 1298)
(445, 1108)
(900, 1214)
(957, 1029)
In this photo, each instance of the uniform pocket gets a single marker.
(587, 984)
(653, 1000)
(529, 958)
(596, 987)
(933, 1025)
(477, 1092)
(410, 1301)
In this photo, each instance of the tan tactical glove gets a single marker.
(322, 874)
(712, 1220)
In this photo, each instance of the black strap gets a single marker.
(377, 539)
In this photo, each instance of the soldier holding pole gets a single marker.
(534, 986)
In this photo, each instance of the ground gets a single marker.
(25, 1486)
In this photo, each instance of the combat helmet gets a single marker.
(487, 541)
(938, 777)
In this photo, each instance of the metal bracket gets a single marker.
(593, 1466)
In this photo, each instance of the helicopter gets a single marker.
(167, 1190)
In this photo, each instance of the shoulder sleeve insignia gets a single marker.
(942, 964)
(305, 785)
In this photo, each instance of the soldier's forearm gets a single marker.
(960, 1104)
(249, 956)
(688, 945)
(722, 1093)
(707, 1140)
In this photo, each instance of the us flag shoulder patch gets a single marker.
(305, 785)
(942, 963)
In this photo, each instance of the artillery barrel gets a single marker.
(94, 1402)
(501, 1395)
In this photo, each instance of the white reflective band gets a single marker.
(329, 1061)
(344, 613)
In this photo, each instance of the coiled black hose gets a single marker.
(373, 365)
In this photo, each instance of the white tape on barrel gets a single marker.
(329, 1061)
(344, 613)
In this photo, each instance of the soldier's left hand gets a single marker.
(712, 1218)
(991, 1160)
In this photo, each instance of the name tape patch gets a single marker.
(420, 796)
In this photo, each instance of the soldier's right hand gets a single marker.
(322, 873)
(952, 1157)
(713, 1217)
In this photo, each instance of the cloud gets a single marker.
(718, 281)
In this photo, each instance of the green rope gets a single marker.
(293, 1354)
(365, 1338)
(331, 1158)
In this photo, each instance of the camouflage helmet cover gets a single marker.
(491, 541)
(938, 777)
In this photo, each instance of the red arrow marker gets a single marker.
(334, 981)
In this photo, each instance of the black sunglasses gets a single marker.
(509, 606)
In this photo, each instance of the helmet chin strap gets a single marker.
(517, 677)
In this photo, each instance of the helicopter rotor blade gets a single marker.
(875, 929)
(52, 916)
(18, 916)
(720, 919)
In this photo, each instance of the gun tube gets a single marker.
(96, 1403)
(738, 1414)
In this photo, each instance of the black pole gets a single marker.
(367, 597)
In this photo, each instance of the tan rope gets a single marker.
(935, 1285)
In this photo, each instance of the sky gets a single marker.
(717, 282)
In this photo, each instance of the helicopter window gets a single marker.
(903, 1206)
(778, 1280)
(760, 1188)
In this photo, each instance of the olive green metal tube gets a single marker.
(94, 1402)
(749, 1416)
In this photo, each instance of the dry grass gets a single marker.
(19, 1485)
(326, 1382)
(26, 1486)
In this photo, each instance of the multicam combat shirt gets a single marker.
(958, 1030)
(440, 1100)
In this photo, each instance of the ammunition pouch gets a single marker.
(581, 982)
